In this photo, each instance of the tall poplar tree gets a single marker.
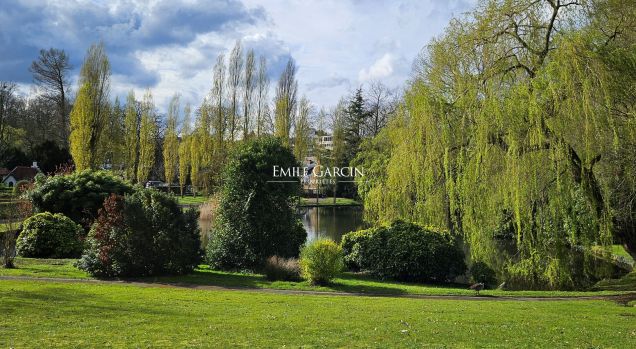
(262, 88)
(235, 68)
(91, 110)
(131, 137)
(285, 102)
(171, 141)
(184, 149)
(248, 92)
(147, 138)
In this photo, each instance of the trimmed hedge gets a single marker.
(47, 235)
(404, 251)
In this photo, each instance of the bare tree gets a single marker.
(50, 74)
(248, 91)
(7, 100)
(381, 103)
(235, 69)
(262, 88)
(220, 122)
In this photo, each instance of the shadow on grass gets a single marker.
(345, 283)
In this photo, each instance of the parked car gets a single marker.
(155, 184)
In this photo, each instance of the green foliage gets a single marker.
(131, 138)
(255, 218)
(81, 130)
(147, 138)
(282, 269)
(404, 251)
(78, 195)
(145, 233)
(518, 140)
(321, 261)
(47, 235)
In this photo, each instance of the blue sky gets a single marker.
(171, 46)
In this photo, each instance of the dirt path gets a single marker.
(617, 298)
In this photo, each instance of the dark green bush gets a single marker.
(351, 245)
(321, 261)
(405, 251)
(47, 235)
(481, 272)
(255, 218)
(78, 195)
(145, 233)
(282, 269)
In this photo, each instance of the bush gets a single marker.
(47, 235)
(255, 217)
(351, 244)
(79, 195)
(481, 272)
(405, 251)
(145, 233)
(321, 261)
(21, 186)
(283, 269)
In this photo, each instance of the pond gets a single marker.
(331, 222)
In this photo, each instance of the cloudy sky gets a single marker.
(170, 46)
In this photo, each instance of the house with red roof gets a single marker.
(21, 173)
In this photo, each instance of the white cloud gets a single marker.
(171, 46)
(382, 68)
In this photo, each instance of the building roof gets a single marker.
(23, 173)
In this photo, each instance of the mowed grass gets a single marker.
(347, 282)
(191, 200)
(328, 202)
(44, 315)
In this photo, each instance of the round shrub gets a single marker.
(77, 195)
(255, 218)
(142, 234)
(405, 251)
(47, 235)
(321, 261)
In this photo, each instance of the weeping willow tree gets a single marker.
(514, 133)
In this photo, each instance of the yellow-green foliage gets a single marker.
(131, 128)
(171, 141)
(321, 261)
(147, 139)
(81, 120)
(184, 150)
(509, 138)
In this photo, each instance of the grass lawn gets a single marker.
(348, 282)
(43, 315)
(191, 200)
(328, 202)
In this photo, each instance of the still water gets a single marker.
(331, 222)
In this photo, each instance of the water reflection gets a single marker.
(331, 222)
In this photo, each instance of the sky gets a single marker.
(170, 46)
